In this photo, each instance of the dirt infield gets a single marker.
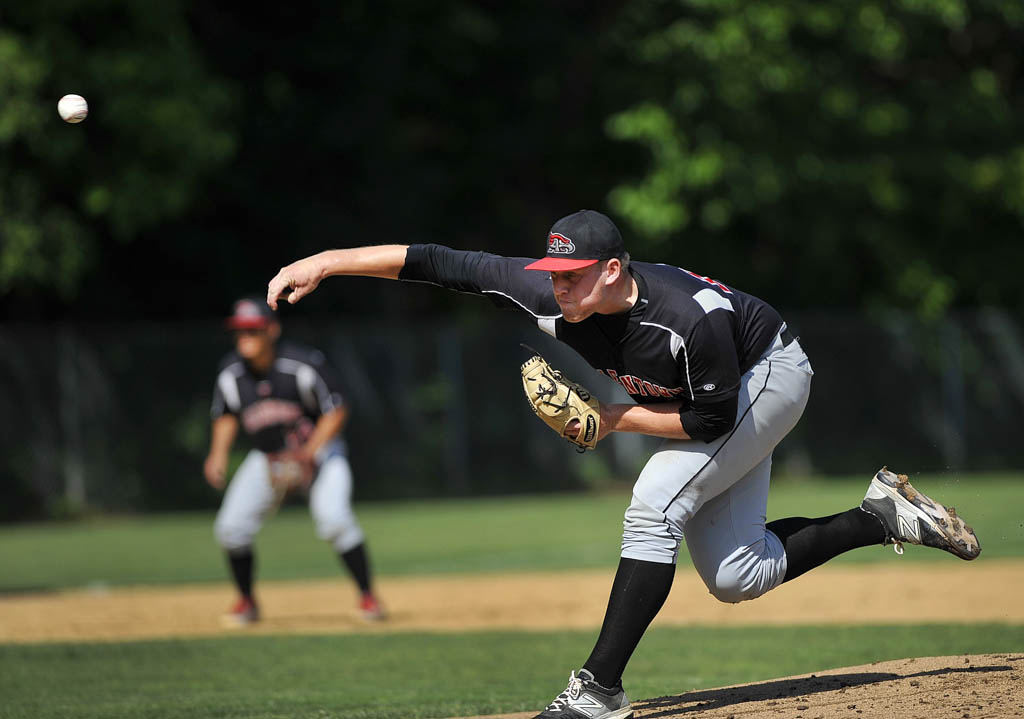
(889, 594)
(964, 687)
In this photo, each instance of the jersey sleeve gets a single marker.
(319, 388)
(225, 395)
(707, 422)
(501, 279)
(709, 361)
(711, 368)
(218, 408)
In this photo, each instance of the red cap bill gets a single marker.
(559, 264)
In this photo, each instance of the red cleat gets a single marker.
(370, 608)
(243, 613)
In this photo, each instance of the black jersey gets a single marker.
(277, 410)
(687, 338)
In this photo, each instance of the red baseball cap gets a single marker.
(250, 313)
(580, 240)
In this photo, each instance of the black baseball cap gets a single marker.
(250, 313)
(580, 240)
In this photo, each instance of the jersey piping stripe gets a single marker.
(305, 381)
(310, 384)
(721, 446)
(328, 400)
(677, 338)
(490, 292)
(527, 309)
(289, 366)
(227, 380)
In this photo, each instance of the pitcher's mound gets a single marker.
(965, 687)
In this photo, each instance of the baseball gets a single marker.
(73, 108)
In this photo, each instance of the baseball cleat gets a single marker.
(584, 698)
(908, 515)
(243, 613)
(370, 608)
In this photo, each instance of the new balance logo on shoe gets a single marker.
(909, 528)
(588, 705)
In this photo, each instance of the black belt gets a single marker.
(787, 337)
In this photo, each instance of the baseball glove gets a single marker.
(558, 401)
(288, 471)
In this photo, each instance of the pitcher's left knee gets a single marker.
(749, 572)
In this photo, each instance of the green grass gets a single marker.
(431, 537)
(428, 675)
(434, 675)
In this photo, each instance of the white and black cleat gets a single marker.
(910, 516)
(584, 698)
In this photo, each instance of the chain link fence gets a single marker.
(116, 417)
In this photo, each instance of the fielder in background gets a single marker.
(715, 372)
(286, 400)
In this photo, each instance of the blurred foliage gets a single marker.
(824, 156)
(859, 152)
(69, 194)
(817, 154)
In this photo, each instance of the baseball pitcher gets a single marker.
(712, 370)
(285, 399)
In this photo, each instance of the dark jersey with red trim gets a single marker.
(279, 409)
(687, 338)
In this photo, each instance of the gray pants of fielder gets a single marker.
(250, 498)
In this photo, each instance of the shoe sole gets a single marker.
(234, 621)
(625, 713)
(939, 526)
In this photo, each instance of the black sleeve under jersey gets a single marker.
(501, 279)
(711, 365)
(708, 422)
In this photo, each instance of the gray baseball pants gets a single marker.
(250, 498)
(715, 495)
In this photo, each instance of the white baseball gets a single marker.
(73, 108)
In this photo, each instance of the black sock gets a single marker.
(810, 542)
(358, 566)
(638, 592)
(241, 562)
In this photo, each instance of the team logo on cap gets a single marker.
(247, 309)
(559, 244)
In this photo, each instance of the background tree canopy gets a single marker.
(840, 154)
(833, 158)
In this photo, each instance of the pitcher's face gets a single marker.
(580, 293)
